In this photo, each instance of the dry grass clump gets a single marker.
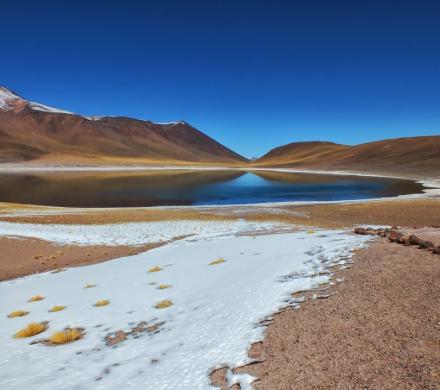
(310, 231)
(163, 286)
(36, 298)
(163, 304)
(102, 302)
(89, 285)
(155, 269)
(30, 330)
(218, 261)
(66, 336)
(56, 308)
(17, 313)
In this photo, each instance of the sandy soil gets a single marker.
(409, 213)
(380, 331)
(19, 257)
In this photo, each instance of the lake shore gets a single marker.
(403, 212)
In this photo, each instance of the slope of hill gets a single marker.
(299, 153)
(34, 132)
(403, 156)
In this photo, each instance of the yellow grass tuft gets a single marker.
(163, 286)
(310, 231)
(56, 308)
(218, 261)
(30, 330)
(36, 298)
(89, 285)
(102, 302)
(155, 269)
(65, 336)
(18, 313)
(163, 304)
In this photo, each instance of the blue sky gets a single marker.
(252, 74)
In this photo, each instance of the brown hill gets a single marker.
(31, 131)
(299, 153)
(402, 156)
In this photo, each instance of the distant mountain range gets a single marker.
(35, 133)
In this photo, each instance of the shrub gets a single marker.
(155, 269)
(163, 286)
(30, 330)
(163, 304)
(36, 298)
(218, 261)
(102, 302)
(18, 313)
(56, 308)
(89, 285)
(65, 336)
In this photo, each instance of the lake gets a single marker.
(191, 187)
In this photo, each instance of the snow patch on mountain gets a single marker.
(5, 96)
(8, 98)
(170, 123)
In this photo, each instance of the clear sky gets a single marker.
(252, 74)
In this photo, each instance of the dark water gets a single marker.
(180, 187)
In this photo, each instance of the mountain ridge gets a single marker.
(35, 132)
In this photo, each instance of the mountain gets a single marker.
(401, 156)
(299, 153)
(35, 132)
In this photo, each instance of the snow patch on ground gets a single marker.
(136, 233)
(213, 320)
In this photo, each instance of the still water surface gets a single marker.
(182, 187)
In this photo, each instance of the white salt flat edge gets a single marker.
(135, 233)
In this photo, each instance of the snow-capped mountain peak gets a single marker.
(7, 97)
(9, 100)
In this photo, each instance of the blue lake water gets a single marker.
(183, 187)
